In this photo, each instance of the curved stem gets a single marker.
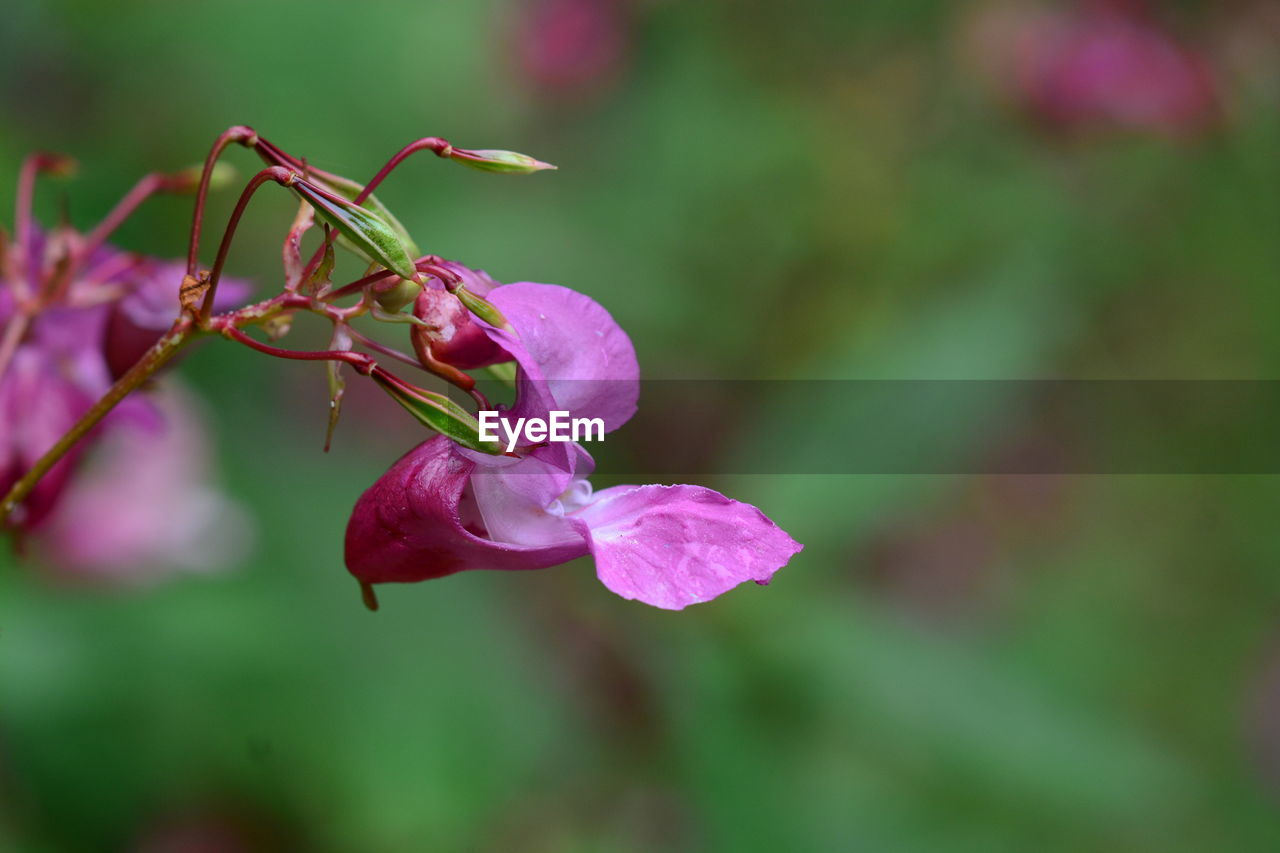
(278, 174)
(379, 347)
(357, 285)
(148, 186)
(32, 165)
(244, 136)
(160, 354)
(361, 362)
(452, 375)
(441, 147)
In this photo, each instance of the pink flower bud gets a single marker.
(454, 336)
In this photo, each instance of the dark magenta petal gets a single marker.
(148, 310)
(409, 526)
(37, 406)
(672, 546)
(456, 338)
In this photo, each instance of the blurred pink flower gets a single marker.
(143, 506)
(571, 49)
(1095, 65)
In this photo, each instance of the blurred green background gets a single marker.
(755, 190)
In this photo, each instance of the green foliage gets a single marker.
(820, 193)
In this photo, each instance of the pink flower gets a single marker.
(572, 49)
(442, 509)
(113, 306)
(143, 506)
(37, 405)
(1099, 65)
(146, 311)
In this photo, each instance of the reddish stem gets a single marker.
(379, 347)
(442, 147)
(361, 362)
(358, 285)
(32, 165)
(278, 174)
(142, 190)
(275, 155)
(244, 136)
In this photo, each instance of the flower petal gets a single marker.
(573, 356)
(520, 503)
(37, 406)
(672, 546)
(410, 525)
(144, 506)
(139, 319)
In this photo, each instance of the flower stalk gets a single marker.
(349, 212)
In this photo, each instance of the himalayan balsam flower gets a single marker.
(441, 509)
(115, 305)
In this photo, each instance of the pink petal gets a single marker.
(139, 319)
(144, 506)
(573, 356)
(520, 503)
(37, 406)
(411, 524)
(672, 546)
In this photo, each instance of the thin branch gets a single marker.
(244, 136)
(280, 175)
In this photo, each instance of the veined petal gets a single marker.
(409, 526)
(573, 356)
(672, 546)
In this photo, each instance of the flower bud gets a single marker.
(482, 308)
(451, 334)
(57, 165)
(349, 189)
(495, 160)
(393, 295)
(437, 412)
(188, 180)
(366, 232)
(37, 406)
